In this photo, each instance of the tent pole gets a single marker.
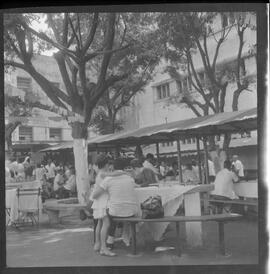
(199, 158)
(206, 160)
(179, 161)
(157, 151)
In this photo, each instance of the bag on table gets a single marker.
(152, 208)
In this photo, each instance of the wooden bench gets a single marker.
(234, 202)
(219, 218)
(53, 208)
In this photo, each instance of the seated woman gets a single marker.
(58, 180)
(189, 175)
(143, 176)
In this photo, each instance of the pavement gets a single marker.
(71, 244)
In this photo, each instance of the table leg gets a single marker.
(193, 229)
(221, 238)
(133, 235)
(178, 244)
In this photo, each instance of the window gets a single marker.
(179, 87)
(25, 133)
(163, 91)
(24, 83)
(224, 20)
(56, 133)
(201, 78)
(188, 141)
(184, 141)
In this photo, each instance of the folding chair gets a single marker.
(25, 212)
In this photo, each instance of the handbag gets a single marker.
(152, 208)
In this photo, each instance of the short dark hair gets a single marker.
(135, 163)
(227, 164)
(149, 156)
(102, 160)
(193, 162)
(119, 164)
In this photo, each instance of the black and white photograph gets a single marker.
(132, 137)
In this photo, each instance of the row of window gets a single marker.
(185, 84)
(193, 140)
(25, 83)
(26, 133)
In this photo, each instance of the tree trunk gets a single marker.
(9, 129)
(80, 149)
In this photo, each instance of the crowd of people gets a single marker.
(57, 180)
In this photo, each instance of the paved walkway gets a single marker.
(71, 245)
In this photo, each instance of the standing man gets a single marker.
(224, 185)
(51, 168)
(238, 167)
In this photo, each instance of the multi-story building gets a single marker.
(155, 105)
(43, 128)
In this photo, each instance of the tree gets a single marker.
(82, 40)
(185, 35)
(18, 111)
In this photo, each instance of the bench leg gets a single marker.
(133, 235)
(53, 216)
(221, 238)
(178, 244)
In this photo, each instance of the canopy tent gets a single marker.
(225, 122)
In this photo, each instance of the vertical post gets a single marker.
(221, 238)
(206, 161)
(157, 151)
(199, 158)
(179, 160)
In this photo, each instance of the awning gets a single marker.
(226, 122)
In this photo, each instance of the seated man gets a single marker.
(143, 176)
(173, 171)
(149, 163)
(58, 180)
(224, 185)
(122, 200)
(190, 176)
(69, 188)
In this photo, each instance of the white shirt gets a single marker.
(122, 201)
(211, 168)
(239, 168)
(162, 170)
(224, 184)
(150, 166)
(51, 170)
(71, 183)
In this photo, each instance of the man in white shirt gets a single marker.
(51, 168)
(149, 163)
(224, 183)
(122, 200)
(238, 167)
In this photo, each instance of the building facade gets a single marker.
(156, 106)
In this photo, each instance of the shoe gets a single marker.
(107, 253)
(109, 246)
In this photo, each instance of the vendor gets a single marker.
(143, 176)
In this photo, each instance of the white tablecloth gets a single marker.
(26, 202)
(172, 198)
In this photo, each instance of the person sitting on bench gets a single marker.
(122, 202)
(143, 176)
(224, 186)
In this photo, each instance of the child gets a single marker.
(99, 206)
